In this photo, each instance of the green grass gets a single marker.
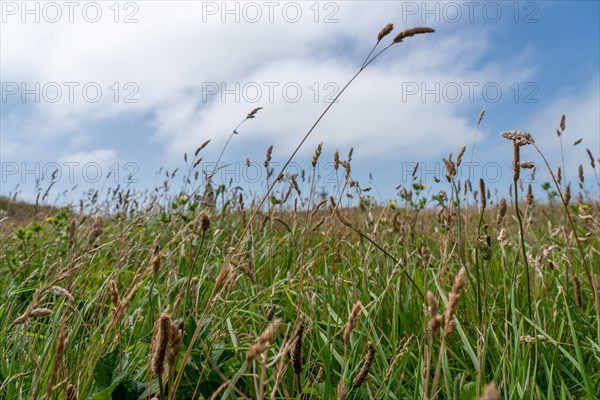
(302, 274)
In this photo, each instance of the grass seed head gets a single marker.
(349, 327)
(341, 390)
(263, 342)
(161, 341)
(252, 113)
(364, 371)
(516, 161)
(385, 31)
(204, 221)
(481, 114)
(71, 392)
(490, 392)
(457, 287)
(412, 32)
(317, 154)
(482, 193)
(268, 158)
(529, 197)
(297, 351)
(460, 155)
(592, 163)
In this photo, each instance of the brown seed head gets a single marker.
(490, 392)
(71, 392)
(481, 114)
(460, 155)
(317, 154)
(385, 31)
(268, 159)
(529, 197)
(521, 137)
(450, 166)
(341, 390)
(204, 221)
(39, 312)
(527, 165)
(199, 149)
(262, 344)
(161, 341)
(516, 161)
(63, 292)
(592, 163)
(453, 299)
(364, 371)
(349, 327)
(176, 335)
(297, 351)
(411, 32)
(482, 192)
(252, 113)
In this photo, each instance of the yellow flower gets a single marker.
(584, 206)
(183, 199)
(49, 219)
(392, 205)
(382, 220)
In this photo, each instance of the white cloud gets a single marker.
(102, 157)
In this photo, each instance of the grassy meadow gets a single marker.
(205, 292)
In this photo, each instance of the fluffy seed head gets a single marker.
(364, 371)
(490, 392)
(412, 32)
(349, 327)
(482, 192)
(460, 155)
(161, 340)
(38, 312)
(516, 161)
(268, 159)
(385, 31)
(592, 163)
(204, 221)
(317, 154)
(262, 344)
(481, 114)
(578, 298)
(453, 299)
(341, 390)
(529, 197)
(522, 138)
(297, 352)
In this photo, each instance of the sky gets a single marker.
(126, 88)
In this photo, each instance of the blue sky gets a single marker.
(544, 57)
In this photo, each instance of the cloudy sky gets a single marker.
(129, 87)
